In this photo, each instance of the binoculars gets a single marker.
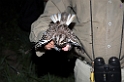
(110, 72)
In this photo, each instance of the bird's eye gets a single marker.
(63, 44)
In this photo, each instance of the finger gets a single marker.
(66, 48)
(49, 45)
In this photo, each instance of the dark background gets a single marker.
(16, 53)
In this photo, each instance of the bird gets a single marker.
(59, 32)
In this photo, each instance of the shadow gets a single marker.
(71, 26)
(53, 62)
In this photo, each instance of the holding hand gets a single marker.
(51, 45)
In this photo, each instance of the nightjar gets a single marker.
(59, 32)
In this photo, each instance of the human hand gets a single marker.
(50, 45)
(66, 48)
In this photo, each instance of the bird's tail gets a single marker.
(63, 18)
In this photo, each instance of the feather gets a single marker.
(70, 19)
(59, 17)
(53, 19)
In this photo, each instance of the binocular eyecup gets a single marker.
(110, 72)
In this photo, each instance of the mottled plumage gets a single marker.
(59, 32)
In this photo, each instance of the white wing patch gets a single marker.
(41, 43)
(57, 17)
